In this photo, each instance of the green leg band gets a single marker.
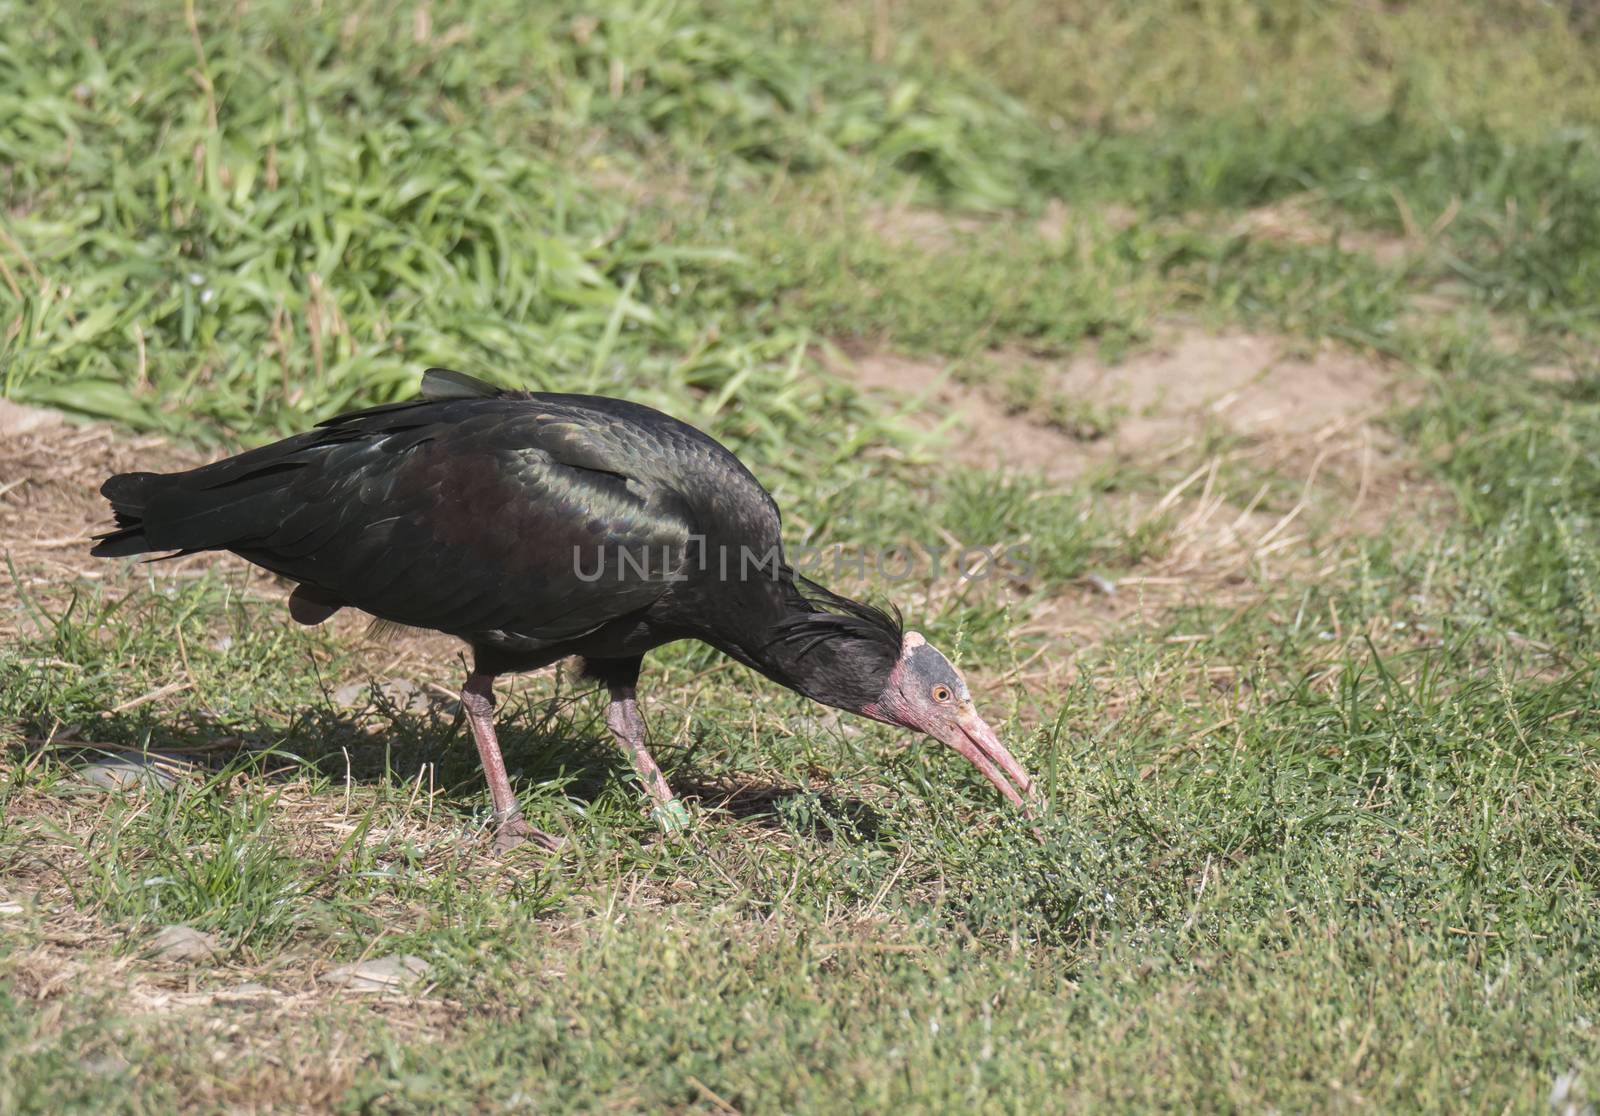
(672, 816)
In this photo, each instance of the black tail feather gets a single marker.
(235, 503)
(128, 493)
(446, 383)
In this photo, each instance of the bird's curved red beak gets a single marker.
(975, 740)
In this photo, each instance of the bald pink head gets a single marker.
(926, 693)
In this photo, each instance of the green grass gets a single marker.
(1321, 831)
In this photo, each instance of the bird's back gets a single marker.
(529, 518)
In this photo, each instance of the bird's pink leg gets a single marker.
(625, 723)
(477, 698)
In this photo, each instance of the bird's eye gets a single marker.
(941, 694)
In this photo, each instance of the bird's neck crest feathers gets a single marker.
(833, 649)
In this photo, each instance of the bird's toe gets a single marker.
(515, 833)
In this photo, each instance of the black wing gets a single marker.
(528, 517)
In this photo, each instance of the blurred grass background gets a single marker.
(1325, 842)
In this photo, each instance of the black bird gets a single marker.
(536, 526)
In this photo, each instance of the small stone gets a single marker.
(407, 696)
(127, 772)
(16, 419)
(182, 943)
(109, 1064)
(247, 993)
(404, 695)
(1568, 1097)
(350, 694)
(10, 908)
(379, 974)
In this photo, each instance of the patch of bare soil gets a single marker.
(1294, 220)
(50, 503)
(918, 227)
(937, 230)
(1268, 454)
(1159, 404)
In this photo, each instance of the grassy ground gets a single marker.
(1322, 830)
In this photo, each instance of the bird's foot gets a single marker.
(672, 816)
(512, 832)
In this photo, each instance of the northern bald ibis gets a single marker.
(536, 526)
